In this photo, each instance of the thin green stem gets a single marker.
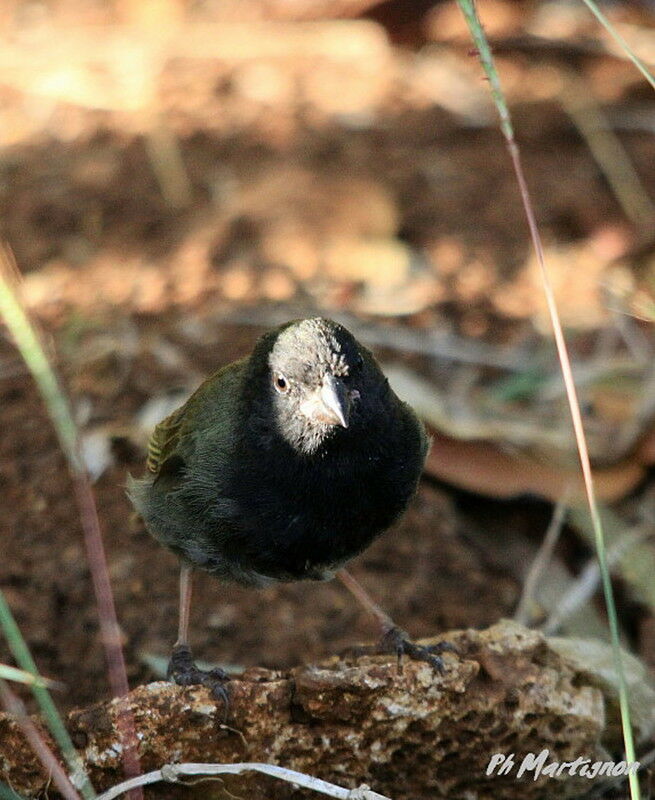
(7, 793)
(21, 653)
(30, 347)
(34, 356)
(639, 64)
(8, 673)
(477, 32)
(484, 52)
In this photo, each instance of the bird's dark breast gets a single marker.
(300, 517)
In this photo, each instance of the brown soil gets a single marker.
(294, 206)
(422, 572)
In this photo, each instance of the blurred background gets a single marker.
(176, 177)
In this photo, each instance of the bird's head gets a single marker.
(318, 376)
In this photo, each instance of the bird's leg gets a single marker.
(186, 589)
(181, 668)
(394, 639)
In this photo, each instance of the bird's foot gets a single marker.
(183, 671)
(395, 640)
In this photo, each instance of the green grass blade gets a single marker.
(30, 348)
(21, 653)
(468, 9)
(8, 673)
(7, 793)
(484, 51)
(639, 64)
(34, 355)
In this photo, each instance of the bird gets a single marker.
(282, 466)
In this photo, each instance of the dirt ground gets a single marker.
(423, 572)
(395, 203)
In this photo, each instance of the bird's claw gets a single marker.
(395, 640)
(183, 671)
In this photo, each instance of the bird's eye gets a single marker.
(281, 383)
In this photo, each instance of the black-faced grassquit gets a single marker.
(282, 466)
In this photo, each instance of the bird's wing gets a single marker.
(170, 439)
(164, 439)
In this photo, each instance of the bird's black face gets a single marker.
(316, 373)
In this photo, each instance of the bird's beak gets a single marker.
(330, 404)
(335, 401)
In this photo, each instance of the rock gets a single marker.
(596, 660)
(357, 719)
